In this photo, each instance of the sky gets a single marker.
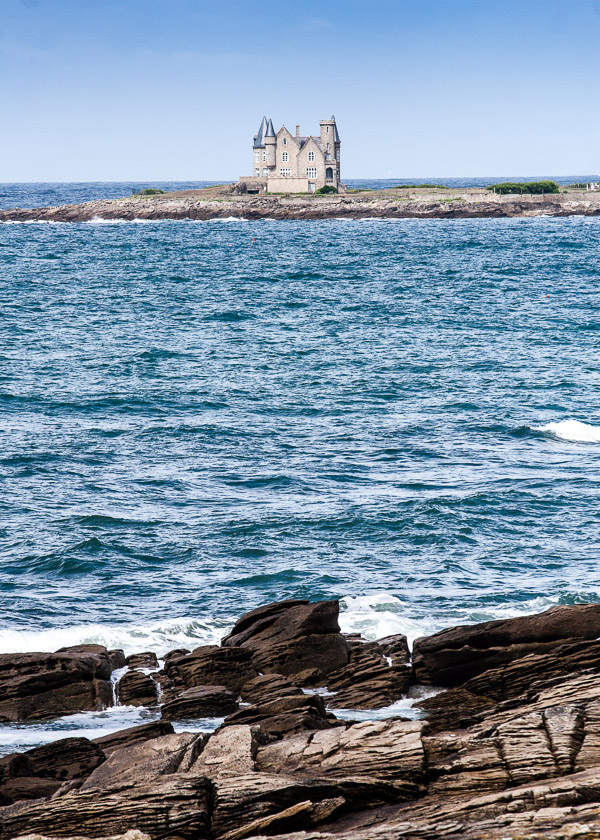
(110, 90)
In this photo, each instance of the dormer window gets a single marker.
(284, 157)
(311, 156)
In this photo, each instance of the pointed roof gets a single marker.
(270, 129)
(258, 138)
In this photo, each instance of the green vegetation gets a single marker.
(577, 186)
(326, 190)
(525, 188)
(420, 187)
(149, 191)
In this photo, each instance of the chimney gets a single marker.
(297, 130)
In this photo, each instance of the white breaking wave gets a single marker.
(159, 637)
(379, 615)
(572, 430)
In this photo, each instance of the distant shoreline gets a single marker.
(395, 203)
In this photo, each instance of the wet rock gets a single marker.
(134, 735)
(368, 681)
(452, 656)
(200, 702)
(40, 772)
(148, 659)
(137, 689)
(284, 715)
(268, 687)
(292, 638)
(175, 654)
(46, 685)
(208, 665)
(396, 648)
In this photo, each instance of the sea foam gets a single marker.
(571, 430)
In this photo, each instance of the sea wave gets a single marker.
(571, 430)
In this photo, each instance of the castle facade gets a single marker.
(283, 162)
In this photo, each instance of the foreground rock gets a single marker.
(40, 686)
(294, 638)
(510, 749)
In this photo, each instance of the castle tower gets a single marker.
(330, 143)
(270, 141)
(258, 148)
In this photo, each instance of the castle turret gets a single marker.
(270, 141)
(330, 143)
(258, 148)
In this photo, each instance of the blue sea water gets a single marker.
(200, 417)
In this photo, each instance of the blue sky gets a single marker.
(175, 89)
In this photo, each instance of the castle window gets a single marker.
(311, 156)
(284, 141)
(285, 172)
(257, 156)
(285, 157)
(264, 156)
(257, 172)
(311, 172)
(265, 173)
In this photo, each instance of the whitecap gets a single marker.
(571, 430)
(159, 637)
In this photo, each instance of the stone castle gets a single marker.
(283, 162)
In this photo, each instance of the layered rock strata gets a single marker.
(507, 745)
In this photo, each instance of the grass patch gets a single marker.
(525, 188)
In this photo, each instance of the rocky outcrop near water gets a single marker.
(401, 203)
(498, 736)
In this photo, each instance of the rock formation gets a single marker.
(506, 746)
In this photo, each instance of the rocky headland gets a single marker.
(399, 203)
(505, 742)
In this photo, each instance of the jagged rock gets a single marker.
(239, 801)
(40, 772)
(148, 659)
(208, 665)
(116, 657)
(46, 685)
(134, 735)
(230, 751)
(368, 681)
(175, 654)
(396, 647)
(201, 702)
(452, 656)
(284, 715)
(390, 750)
(137, 689)
(171, 806)
(268, 687)
(142, 763)
(292, 638)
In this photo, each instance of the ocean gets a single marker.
(201, 417)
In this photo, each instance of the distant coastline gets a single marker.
(401, 202)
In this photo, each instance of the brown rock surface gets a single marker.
(137, 689)
(134, 735)
(368, 681)
(284, 715)
(208, 665)
(147, 659)
(292, 638)
(200, 702)
(453, 656)
(513, 751)
(46, 685)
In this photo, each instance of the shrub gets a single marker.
(326, 190)
(525, 187)
(151, 191)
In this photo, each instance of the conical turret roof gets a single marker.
(270, 129)
(258, 138)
